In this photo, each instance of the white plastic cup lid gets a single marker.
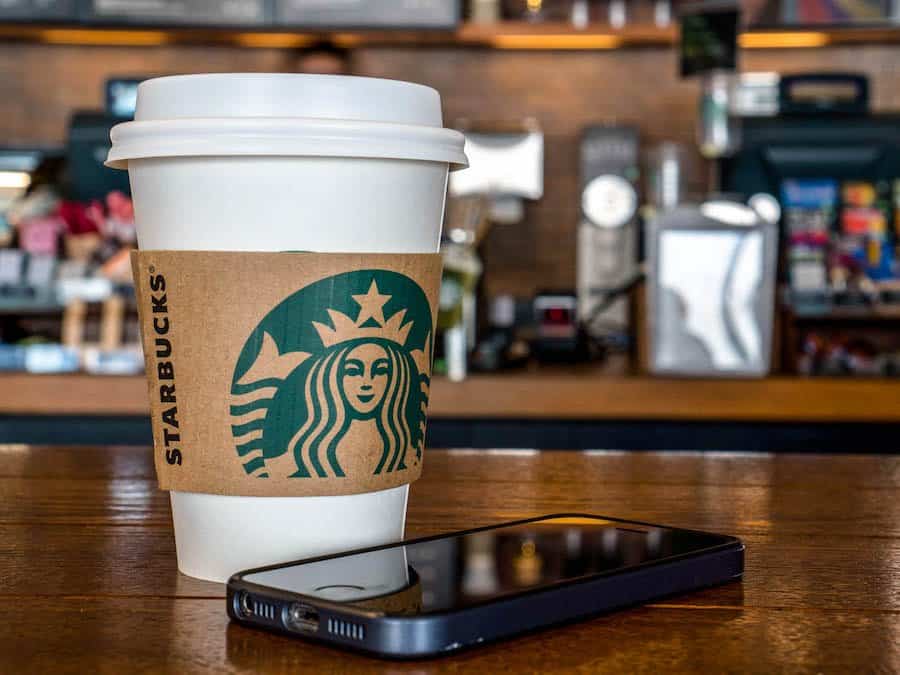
(288, 115)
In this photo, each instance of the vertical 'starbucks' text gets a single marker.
(165, 370)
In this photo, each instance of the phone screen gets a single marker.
(460, 571)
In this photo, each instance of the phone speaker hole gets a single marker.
(347, 629)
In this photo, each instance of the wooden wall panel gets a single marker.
(566, 91)
(46, 83)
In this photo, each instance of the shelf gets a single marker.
(536, 396)
(22, 307)
(805, 38)
(856, 314)
(514, 35)
(508, 35)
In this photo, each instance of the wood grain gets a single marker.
(87, 561)
(585, 394)
(193, 636)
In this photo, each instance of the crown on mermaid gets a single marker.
(271, 363)
(369, 323)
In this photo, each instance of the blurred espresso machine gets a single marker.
(607, 239)
(506, 167)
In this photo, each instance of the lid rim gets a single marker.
(283, 136)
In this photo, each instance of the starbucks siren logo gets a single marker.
(339, 362)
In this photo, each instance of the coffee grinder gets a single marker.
(607, 239)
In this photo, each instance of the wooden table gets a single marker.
(89, 584)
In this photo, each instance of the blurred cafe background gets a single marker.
(679, 230)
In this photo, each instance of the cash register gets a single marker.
(88, 144)
(834, 168)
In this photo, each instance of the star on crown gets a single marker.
(370, 322)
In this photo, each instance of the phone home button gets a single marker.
(339, 591)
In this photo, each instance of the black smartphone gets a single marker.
(440, 594)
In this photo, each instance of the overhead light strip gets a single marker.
(558, 41)
(781, 40)
(67, 36)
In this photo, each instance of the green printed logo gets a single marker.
(338, 363)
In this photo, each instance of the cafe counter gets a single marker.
(558, 407)
(550, 394)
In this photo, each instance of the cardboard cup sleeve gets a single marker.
(287, 374)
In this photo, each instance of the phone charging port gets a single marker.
(302, 618)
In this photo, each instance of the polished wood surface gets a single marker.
(89, 584)
(585, 394)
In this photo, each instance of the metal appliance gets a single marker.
(711, 281)
(607, 238)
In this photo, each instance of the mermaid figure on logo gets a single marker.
(364, 382)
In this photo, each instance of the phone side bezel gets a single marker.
(398, 636)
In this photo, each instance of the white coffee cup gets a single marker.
(278, 162)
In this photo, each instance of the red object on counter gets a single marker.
(82, 218)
